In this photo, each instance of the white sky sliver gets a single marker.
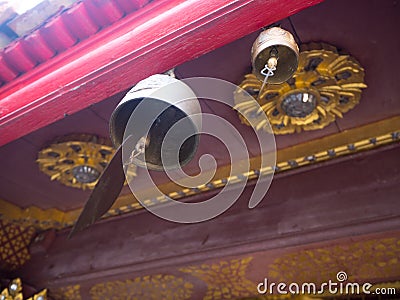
(21, 6)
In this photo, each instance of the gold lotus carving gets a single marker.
(325, 85)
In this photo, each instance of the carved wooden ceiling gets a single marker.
(25, 186)
(303, 229)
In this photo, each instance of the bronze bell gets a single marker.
(156, 104)
(279, 43)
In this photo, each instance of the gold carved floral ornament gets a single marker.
(14, 292)
(77, 161)
(325, 85)
(155, 287)
(224, 279)
(362, 260)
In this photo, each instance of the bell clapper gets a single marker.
(269, 69)
(139, 149)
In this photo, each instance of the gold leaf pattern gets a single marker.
(365, 260)
(225, 280)
(66, 293)
(14, 243)
(167, 287)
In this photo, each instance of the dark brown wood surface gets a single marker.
(356, 196)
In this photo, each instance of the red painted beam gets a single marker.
(153, 39)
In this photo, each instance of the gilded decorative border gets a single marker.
(148, 287)
(361, 260)
(225, 279)
(14, 243)
(352, 141)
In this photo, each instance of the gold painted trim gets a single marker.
(351, 141)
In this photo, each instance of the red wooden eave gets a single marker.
(151, 40)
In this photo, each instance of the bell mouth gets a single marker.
(154, 107)
(119, 119)
(160, 153)
(287, 64)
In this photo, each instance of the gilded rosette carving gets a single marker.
(326, 85)
(77, 161)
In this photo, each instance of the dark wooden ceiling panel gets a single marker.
(85, 121)
(22, 183)
(105, 108)
(367, 31)
(27, 185)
